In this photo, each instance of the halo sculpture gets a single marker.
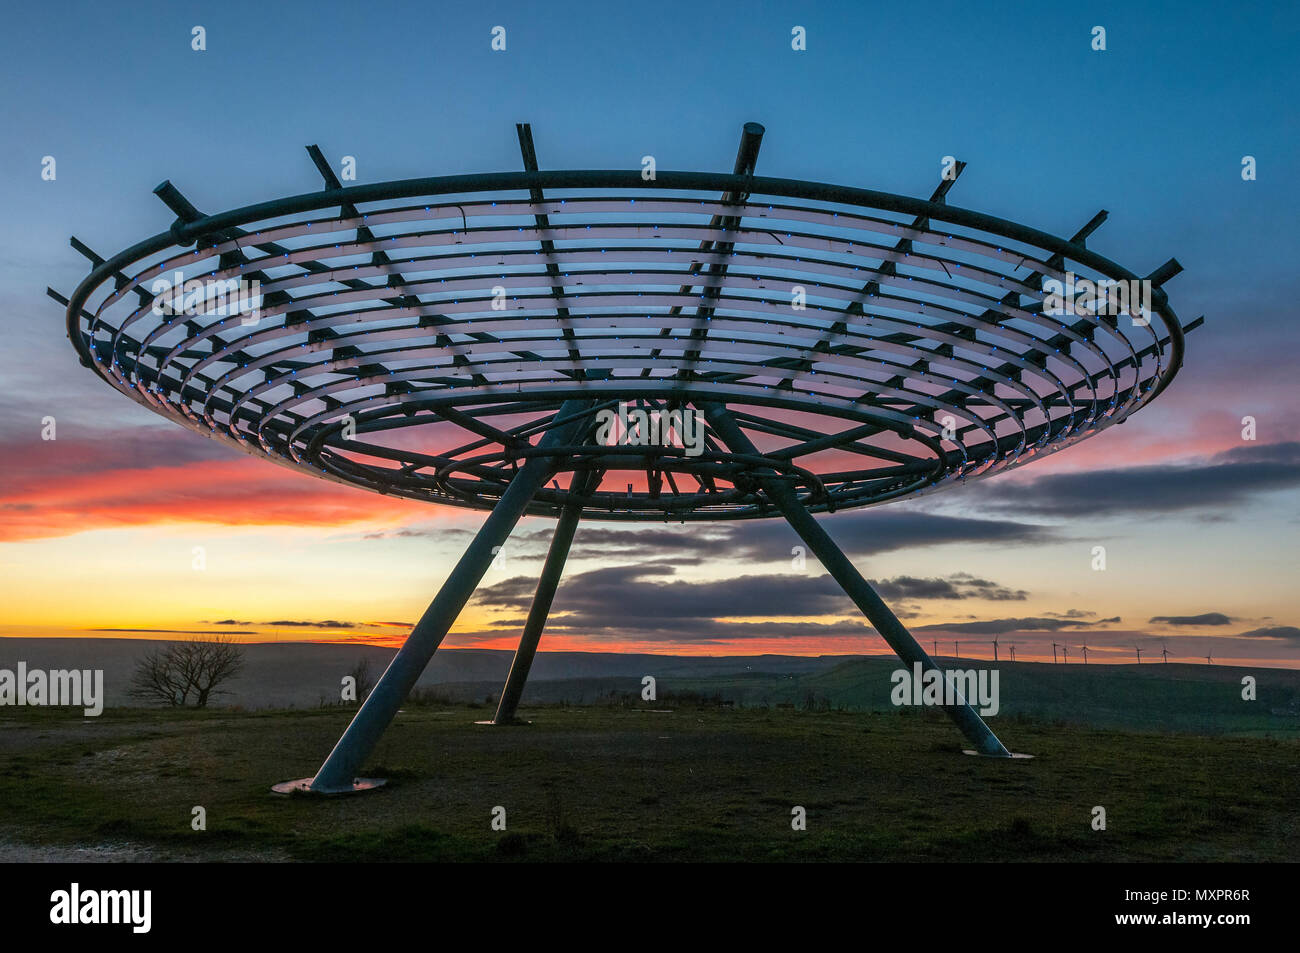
(467, 340)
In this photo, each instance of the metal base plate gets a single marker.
(998, 757)
(303, 786)
(513, 722)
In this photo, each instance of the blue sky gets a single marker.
(1153, 128)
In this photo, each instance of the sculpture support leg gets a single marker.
(581, 485)
(784, 498)
(351, 751)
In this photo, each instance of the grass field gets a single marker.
(1202, 699)
(617, 783)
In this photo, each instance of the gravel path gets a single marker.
(17, 853)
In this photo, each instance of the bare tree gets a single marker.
(158, 679)
(214, 662)
(178, 672)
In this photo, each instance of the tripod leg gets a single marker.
(784, 498)
(339, 771)
(581, 485)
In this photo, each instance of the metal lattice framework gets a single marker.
(454, 339)
(416, 337)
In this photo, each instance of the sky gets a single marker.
(98, 527)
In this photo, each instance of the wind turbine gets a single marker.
(1065, 654)
(995, 648)
(1085, 654)
(1053, 653)
(956, 647)
(1165, 652)
(1138, 649)
(936, 646)
(1013, 651)
(1209, 660)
